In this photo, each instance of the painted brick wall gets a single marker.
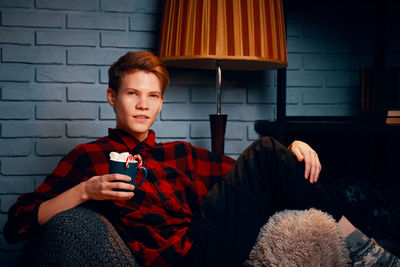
(53, 76)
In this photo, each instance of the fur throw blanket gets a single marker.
(300, 238)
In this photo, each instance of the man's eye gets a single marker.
(154, 95)
(131, 93)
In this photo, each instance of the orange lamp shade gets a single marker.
(233, 34)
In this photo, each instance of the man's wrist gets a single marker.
(82, 191)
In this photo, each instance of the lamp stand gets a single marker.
(218, 121)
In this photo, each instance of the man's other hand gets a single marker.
(304, 152)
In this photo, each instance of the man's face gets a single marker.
(137, 103)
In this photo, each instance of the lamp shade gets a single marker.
(232, 34)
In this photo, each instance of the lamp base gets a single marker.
(218, 126)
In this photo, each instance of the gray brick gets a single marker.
(117, 5)
(144, 22)
(176, 94)
(293, 96)
(203, 143)
(305, 78)
(89, 129)
(180, 76)
(15, 3)
(149, 6)
(57, 147)
(129, 39)
(66, 74)
(252, 134)
(32, 129)
(97, 21)
(305, 45)
(33, 19)
(200, 129)
(67, 38)
(342, 110)
(70, 4)
(33, 92)
(165, 129)
(106, 113)
(6, 201)
(16, 111)
(15, 73)
(337, 62)
(203, 94)
(295, 61)
(342, 79)
(248, 112)
(234, 130)
(14, 36)
(15, 147)
(104, 75)
(33, 55)
(90, 56)
(207, 94)
(261, 95)
(261, 78)
(338, 47)
(324, 96)
(306, 110)
(233, 147)
(16, 185)
(66, 112)
(32, 166)
(186, 111)
(87, 93)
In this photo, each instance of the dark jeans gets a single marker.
(265, 179)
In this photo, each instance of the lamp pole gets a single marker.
(218, 121)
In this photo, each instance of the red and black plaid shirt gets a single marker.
(155, 221)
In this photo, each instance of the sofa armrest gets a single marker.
(79, 236)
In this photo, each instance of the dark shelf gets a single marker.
(326, 125)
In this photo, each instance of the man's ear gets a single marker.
(111, 96)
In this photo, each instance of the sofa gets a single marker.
(83, 237)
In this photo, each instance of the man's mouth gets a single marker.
(141, 117)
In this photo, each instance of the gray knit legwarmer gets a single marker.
(77, 237)
(366, 253)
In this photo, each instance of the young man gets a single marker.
(195, 208)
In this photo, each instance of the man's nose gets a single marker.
(142, 103)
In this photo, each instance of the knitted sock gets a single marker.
(365, 252)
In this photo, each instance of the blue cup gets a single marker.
(132, 170)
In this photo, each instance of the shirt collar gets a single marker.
(130, 141)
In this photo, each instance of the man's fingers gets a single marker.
(298, 154)
(120, 185)
(314, 169)
(117, 176)
(307, 168)
(117, 195)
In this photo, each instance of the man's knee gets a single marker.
(267, 145)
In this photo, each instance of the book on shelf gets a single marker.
(393, 120)
(393, 113)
